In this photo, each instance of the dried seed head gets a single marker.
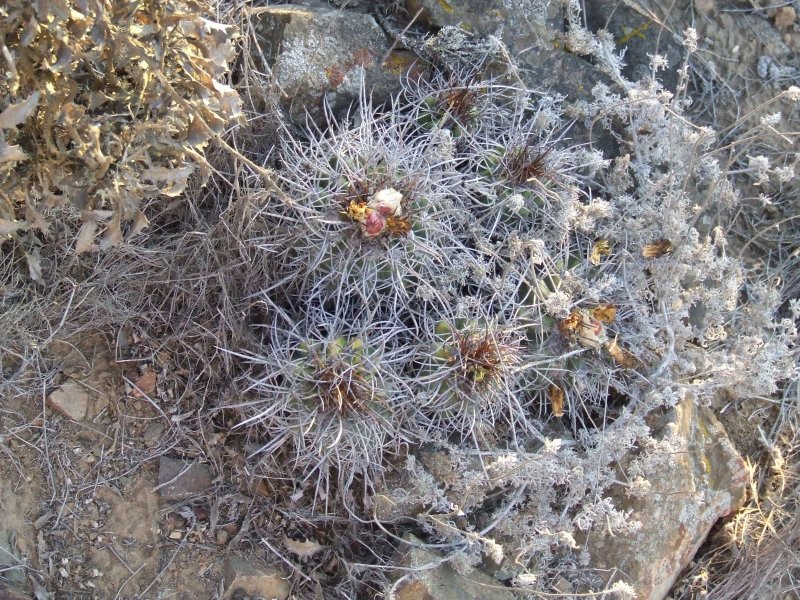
(525, 163)
(341, 387)
(656, 249)
(387, 202)
(483, 356)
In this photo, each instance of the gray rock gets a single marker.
(699, 479)
(9, 593)
(178, 480)
(445, 583)
(317, 54)
(70, 400)
(638, 36)
(481, 17)
(254, 580)
(524, 25)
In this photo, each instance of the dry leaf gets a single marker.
(34, 218)
(197, 134)
(556, 397)
(34, 266)
(17, 113)
(7, 226)
(113, 234)
(230, 103)
(582, 326)
(263, 489)
(170, 181)
(302, 549)
(624, 359)
(140, 221)
(659, 248)
(569, 326)
(145, 385)
(605, 313)
(172, 88)
(85, 237)
(97, 99)
(29, 32)
(599, 249)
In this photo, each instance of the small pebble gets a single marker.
(785, 17)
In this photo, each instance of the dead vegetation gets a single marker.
(117, 104)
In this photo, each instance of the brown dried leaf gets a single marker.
(198, 133)
(556, 397)
(230, 104)
(569, 326)
(34, 266)
(85, 237)
(170, 181)
(605, 313)
(113, 234)
(599, 249)
(583, 327)
(34, 218)
(97, 99)
(140, 221)
(63, 58)
(216, 39)
(29, 32)
(624, 359)
(15, 114)
(656, 249)
(145, 385)
(302, 549)
(263, 489)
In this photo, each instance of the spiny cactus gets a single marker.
(329, 406)
(468, 380)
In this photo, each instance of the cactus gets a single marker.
(330, 407)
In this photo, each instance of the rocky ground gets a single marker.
(113, 486)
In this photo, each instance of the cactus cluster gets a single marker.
(451, 270)
(441, 269)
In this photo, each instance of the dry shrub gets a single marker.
(755, 555)
(116, 103)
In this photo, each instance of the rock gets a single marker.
(444, 583)
(178, 480)
(70, 400)
(529, 36)
(153, 434)
(481, 17)
(9, 593)
(639, 37)
(785, 17)
(697, 479)
(320, 54)
(253, 579)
